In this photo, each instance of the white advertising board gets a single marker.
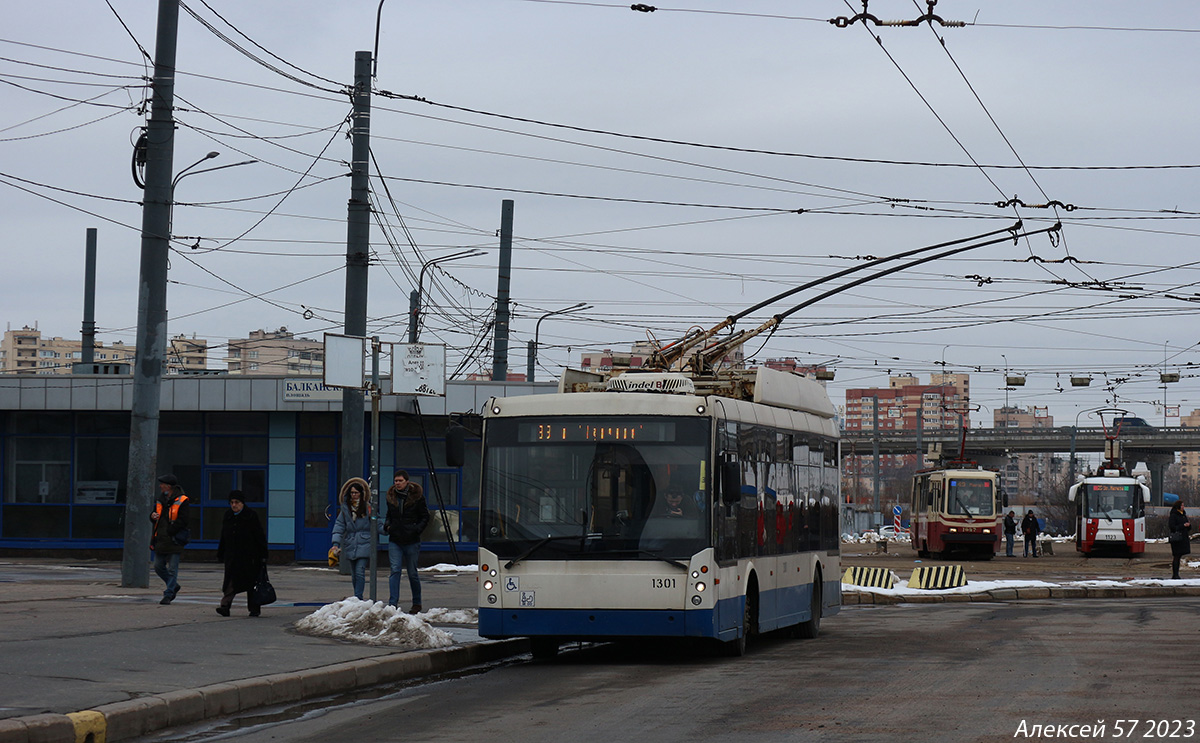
(345, 361)
(419, 369)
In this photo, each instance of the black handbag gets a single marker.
(1176, 536)
(263, 591)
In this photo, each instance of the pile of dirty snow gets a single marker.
(373, 623)
(445, 567)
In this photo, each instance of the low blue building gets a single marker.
(65, 448)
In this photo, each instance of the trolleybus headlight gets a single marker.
(700, 587)
(491, 598)
(495, 410)
(487, 585)
(696, 600)
(695, 573)
(700, 409)
(492, 573)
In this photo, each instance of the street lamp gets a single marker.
(185, 172)
(533, 345)
(414, 299)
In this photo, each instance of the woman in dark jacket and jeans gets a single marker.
(1179, 535)
(243, 549)
(407, 516)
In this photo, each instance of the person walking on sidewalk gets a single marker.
(1179, 535)
(1029, 527)
(1010, 532)
(407, 516)
(170, 533)
(352, 531)
(243, 549)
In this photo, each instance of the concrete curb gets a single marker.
(854, 598)
(137, 717)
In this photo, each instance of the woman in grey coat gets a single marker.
(352, 531)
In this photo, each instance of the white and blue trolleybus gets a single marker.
(660, 505)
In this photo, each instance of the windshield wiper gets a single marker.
(964, 505)
(537, 546)
(647, 553)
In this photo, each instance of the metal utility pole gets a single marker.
(152, 304)
(875, 452)
(500, 346)
(87, 353)
(376, 490)
(358, 248)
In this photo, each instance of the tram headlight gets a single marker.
(700, 587)
(487, 585)
(700, 409)
(696, 600)
(695, 573)
(495, 410)
(491, 598)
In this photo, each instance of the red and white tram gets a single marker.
(1110, 513)
(955, 509)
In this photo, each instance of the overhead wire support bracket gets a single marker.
(864, 16)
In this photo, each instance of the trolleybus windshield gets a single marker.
(627, 487)
(1110, 500)
(970, 497)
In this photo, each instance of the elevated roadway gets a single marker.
(1154, 446)
(991, 441)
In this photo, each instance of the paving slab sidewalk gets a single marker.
(82, 654)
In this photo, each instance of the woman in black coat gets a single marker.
(243, 549)
(1178, 534)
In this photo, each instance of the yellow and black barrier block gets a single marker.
(938, 577)
(870, 577)
(90, 726)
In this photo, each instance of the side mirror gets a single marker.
(456, 445)
(731, 482)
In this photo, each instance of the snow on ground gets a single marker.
(375, 623)
(974, 586)
(445, 567)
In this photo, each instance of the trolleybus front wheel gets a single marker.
(737, 648)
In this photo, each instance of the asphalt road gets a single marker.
(946, 672)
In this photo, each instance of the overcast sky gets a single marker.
(668, 168)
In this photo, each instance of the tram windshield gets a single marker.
(970, 497)
(1111, 500)
(624, 487)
